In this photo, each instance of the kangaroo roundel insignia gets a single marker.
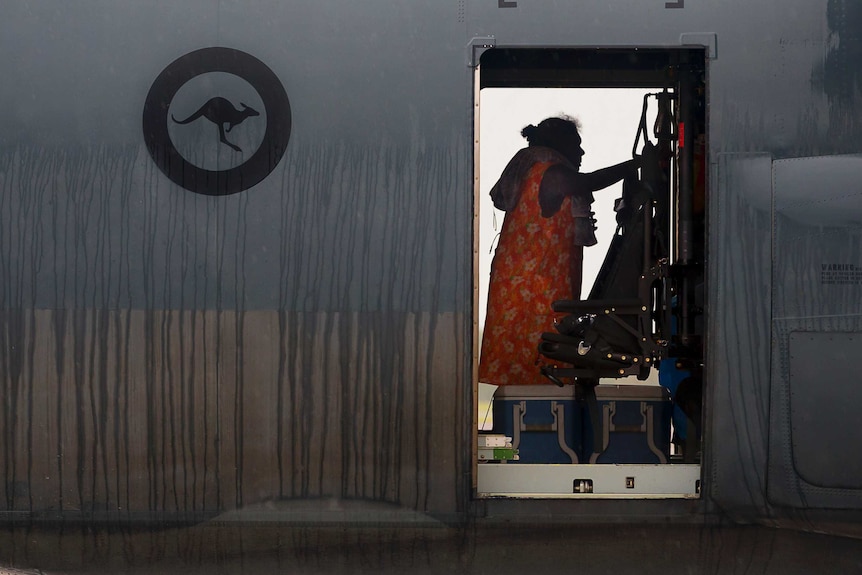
(217, 121)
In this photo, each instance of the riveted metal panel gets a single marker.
(817, 314)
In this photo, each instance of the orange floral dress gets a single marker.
(530, 270)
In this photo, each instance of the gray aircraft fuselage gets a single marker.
(199, 317)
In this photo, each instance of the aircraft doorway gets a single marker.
(523, 451)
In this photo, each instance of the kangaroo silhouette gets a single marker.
(221, 111)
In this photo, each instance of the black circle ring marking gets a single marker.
(265, 158)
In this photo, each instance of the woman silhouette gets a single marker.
(539, 257)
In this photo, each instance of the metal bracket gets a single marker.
(649, 423)
(477, 47)
(706, 39)
(609, 410)
(559, 410)
(518, 411)
(559, 425)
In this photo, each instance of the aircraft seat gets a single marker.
(616, 332)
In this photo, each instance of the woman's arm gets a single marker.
(560, 181)
(601, 179)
